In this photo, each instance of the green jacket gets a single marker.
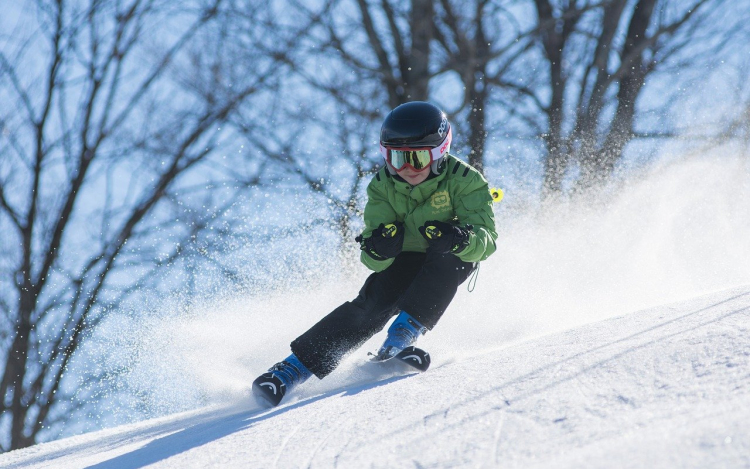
(459, 194)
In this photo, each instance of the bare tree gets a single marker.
(354, 60)
(571, 73)
(334, 170)
(398, 38)
(597, 57)
(568, 74)
(401, 47)
(474, 36)
(111, 111)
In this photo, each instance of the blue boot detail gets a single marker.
(280, 379)
(404, 331)
(291, 371)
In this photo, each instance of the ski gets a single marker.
(412, 356)
(268, 389)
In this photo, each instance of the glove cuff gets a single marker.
(462, 238)
(366, 246)
(374, 254)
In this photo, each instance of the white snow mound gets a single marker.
(664, 387)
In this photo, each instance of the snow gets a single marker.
(602, 336)
(667, 386)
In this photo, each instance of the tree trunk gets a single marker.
(477, 94)
(598, 164)
(416, 65)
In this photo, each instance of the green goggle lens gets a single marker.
(417, 159)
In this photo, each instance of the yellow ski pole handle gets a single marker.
(497, 194)
(432, 232)
(389, 231)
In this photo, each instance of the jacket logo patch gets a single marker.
(440, 200)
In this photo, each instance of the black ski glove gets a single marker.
(445, 237)
(385, 242)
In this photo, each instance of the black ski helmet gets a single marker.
(417, 124)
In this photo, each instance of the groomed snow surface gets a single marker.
(658, 388)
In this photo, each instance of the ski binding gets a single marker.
(412, 356)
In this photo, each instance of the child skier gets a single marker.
(428, 222)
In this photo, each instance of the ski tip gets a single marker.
(268, 390)
(415, 357)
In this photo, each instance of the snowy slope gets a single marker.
(663, 387)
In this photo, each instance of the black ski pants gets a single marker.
(422, 284)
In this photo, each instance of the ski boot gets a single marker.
(281, 378)
(404, 331)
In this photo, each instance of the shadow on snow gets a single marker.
(203, 433)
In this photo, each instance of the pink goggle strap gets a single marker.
(437, 152)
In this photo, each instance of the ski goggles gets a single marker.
(418, 159)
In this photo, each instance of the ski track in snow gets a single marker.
(663, 387)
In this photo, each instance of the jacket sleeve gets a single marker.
(377, 210)
(474, 207)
